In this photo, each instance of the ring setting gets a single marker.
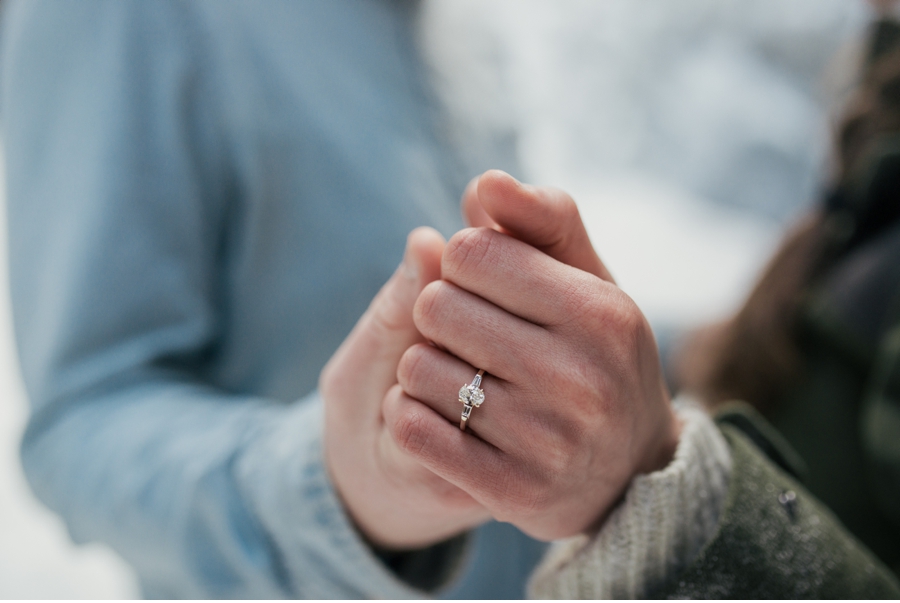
(471, 396)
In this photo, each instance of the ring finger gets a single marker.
(435, 377)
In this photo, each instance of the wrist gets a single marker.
(662, 522)
(429, 568)
(669, 440)
(664, 442)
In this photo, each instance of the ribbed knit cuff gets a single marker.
(665, 520)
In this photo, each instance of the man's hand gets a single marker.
(545, 218)
(395, 501)
(575, 403)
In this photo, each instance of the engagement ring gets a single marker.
(471, 397)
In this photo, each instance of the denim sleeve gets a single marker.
(118, 186)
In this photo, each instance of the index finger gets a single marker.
(517, 277)
(543, 217)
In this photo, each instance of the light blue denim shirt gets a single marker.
(203, 199)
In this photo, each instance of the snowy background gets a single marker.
(691, 132)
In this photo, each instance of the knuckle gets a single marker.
(630, 332)
(564, 222)
(598, 308)
(468, 249)
(388, 313)
(626, 319)
(411, 431)
(428, 305)
(568, 212)
(411, 367)
(583, 301)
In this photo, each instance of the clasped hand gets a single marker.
(575, 403)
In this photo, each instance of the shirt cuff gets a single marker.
(283, 475)
(665, 520)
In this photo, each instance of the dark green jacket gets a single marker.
(775, 540)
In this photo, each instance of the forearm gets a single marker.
(207, 495)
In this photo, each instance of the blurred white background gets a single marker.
(690, 131)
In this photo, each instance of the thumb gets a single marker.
(544, 217)
(472, 209)
(388, 323)
(367, 360)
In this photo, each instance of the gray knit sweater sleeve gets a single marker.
(664, 521)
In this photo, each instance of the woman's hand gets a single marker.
(395, 501)
(575, 403)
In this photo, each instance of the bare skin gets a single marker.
(575, 404)
(394, 500)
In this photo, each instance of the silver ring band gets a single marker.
(471, 396)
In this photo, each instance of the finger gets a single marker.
(473, 212)
(420, 481)
(421, 488)
(387, 329)
(461, 458)
(479, 332)
(544, 217)
(517, 277)
(435, 377)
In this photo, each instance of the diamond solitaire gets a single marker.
(471, 396)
